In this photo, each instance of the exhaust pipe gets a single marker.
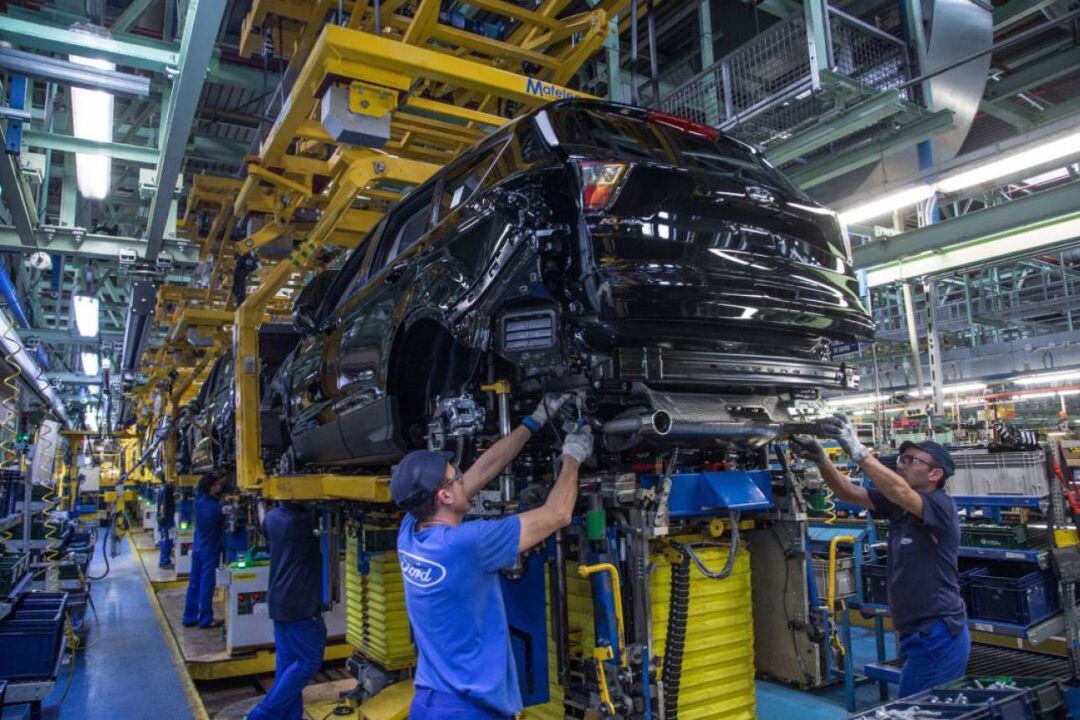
(662, 425)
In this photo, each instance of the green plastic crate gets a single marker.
(998, 537)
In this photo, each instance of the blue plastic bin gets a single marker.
(1003, 704)
(30, 637)
(1013, 593)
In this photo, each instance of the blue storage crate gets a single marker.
(1013, 593)
(944, 712)
(875, 582)
(1003, 704)
(31, 636)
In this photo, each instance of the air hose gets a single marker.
(8, 453)
(675, 644)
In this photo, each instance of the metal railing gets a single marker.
(1036, 297)
(764, 90)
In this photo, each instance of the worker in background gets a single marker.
(166, 521)
(924, 541)
(206, 553)
(295, 604)
(465, 669)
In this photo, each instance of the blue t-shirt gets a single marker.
(923, 577)
(455, 604)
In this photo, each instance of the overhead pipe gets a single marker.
(32, 374)
(8, 290)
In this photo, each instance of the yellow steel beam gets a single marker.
(263, 236)
(356, 55)
(279, 180)
(424, 21)
(365, 488)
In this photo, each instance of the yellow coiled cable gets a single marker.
(10, 429)
(830, 506)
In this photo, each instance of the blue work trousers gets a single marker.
(166, 544)
(300, 645)
(933, 658)
(431, 704)
(199, 602)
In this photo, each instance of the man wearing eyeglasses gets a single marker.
(451, 569)
(924, 540)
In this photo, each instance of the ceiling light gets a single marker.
(92, 119)
(86, 309)
(1016, 162)
(90, 363)
(1047, 177)
(1047, 377)
(1064, 393)
(853, 400)
(886, 204)
(1034, 396)
(962, 388)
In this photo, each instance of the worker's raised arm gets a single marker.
(495, 459)
(844, 490)
(558, 510)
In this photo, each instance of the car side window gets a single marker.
(352, 274)
(462, 182)
(404, 227)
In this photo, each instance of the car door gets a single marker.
(366, 413)
(316, 437)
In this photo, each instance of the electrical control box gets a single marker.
(247, 617)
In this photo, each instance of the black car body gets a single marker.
(207, 436)
(634, 255)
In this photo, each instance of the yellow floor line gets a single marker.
(192, 695)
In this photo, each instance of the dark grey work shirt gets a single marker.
(295, 591)
(923, 581)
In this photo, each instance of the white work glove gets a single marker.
(549, 407)
(843, 431)
(578, 444)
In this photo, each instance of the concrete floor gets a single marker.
(127, 671)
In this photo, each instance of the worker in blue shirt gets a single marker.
(465, 669)
(295, 605)
(166, 512)
(206, 553)
(924, 541)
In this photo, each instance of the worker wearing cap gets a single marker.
(924, 541)
(294, 599)
(465, 669)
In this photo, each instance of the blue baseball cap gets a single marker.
(418, 476)
(941, 456)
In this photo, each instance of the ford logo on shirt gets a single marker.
(418, 571)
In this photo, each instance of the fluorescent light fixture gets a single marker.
(1016, 162)
(962, 388)
(886, 204)
(92, 119)
(1034, 396)
(86, 310)
(1064, 393)
(1047, 377)
(853, 400)
(1046, 177)
(90, 363)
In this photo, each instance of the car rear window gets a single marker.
(630, 134)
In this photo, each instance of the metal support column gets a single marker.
(818, 39)
(200, 32)
(933, 338)
(712, 109)
(913, 335)
(611, 45)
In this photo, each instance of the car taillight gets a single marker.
(687, 126)
(599, 182)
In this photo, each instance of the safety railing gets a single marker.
(764, 90)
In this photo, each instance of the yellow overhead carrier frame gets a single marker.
(385, 73)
